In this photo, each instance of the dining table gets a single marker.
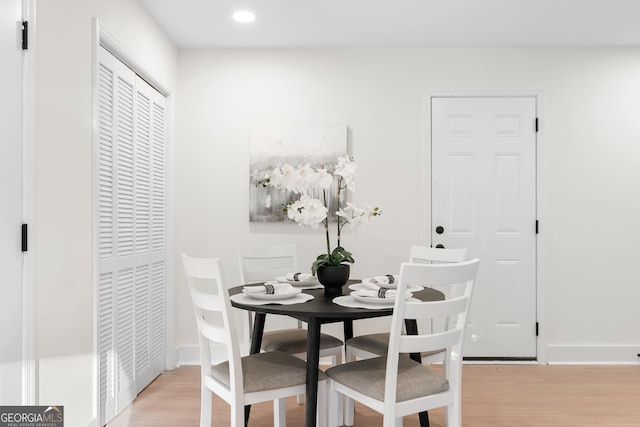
(318, 311)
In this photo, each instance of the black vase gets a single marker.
(333, 278)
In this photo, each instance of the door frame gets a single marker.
(30, 362)
(541, 187)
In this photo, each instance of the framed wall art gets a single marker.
(275, 146)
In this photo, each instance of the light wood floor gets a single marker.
(492, 396)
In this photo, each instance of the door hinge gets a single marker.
(537, 328)
(537, 124)
(25, 35)
(536, 226)
(24, 238)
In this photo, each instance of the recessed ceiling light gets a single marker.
(244, 16)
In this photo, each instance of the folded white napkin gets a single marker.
(299, 277)
(374, 291)
(386, 279)
(268, 287)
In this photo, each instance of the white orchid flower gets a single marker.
(306, 178)
(289, 178)
(324, 179)
(307, 211)
(276, 179)
(357, 216)
(346, 168)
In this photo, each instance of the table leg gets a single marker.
(412, 329)
(313, 361)
(256, 343)
(256, 334)
(348, 329)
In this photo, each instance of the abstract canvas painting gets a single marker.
(273, 146)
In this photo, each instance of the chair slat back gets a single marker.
(426, 343)
(206, 306)
(438, 274)
(428, 255)
(436, 309)
(212, 332)
(205, 303)
(456, 308)
(262, 263)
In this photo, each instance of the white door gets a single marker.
(131, 258)
(11, 207)
(484, 199)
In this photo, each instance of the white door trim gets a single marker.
(541, 187)
(29, 362)
(109, 41)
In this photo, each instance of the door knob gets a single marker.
(439, 246)
(439, 229)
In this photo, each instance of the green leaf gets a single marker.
(338, 256)
(320, 262)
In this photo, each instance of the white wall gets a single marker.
(591, 156)
(63, 180)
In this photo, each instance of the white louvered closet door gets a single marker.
(149, 215)
(131, 234)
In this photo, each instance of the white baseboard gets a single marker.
(190, 355)
(593, 355)
(187, 356)
(556, 355)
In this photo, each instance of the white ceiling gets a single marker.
(400, 23)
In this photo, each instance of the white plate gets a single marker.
(382, 285)
(244, 299)
(313, 281)
(375, 300)
(360, 286)
(270, 297)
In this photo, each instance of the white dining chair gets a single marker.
(376, 344)
(395, 385)
(240, 381)
(373, 345)
(263, 263)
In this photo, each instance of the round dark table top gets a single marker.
(323, 308)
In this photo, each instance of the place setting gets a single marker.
(300, 280)
(271, 292)
(375, 293)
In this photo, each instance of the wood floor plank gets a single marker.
(492, 396)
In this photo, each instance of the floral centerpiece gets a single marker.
(312, 211)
